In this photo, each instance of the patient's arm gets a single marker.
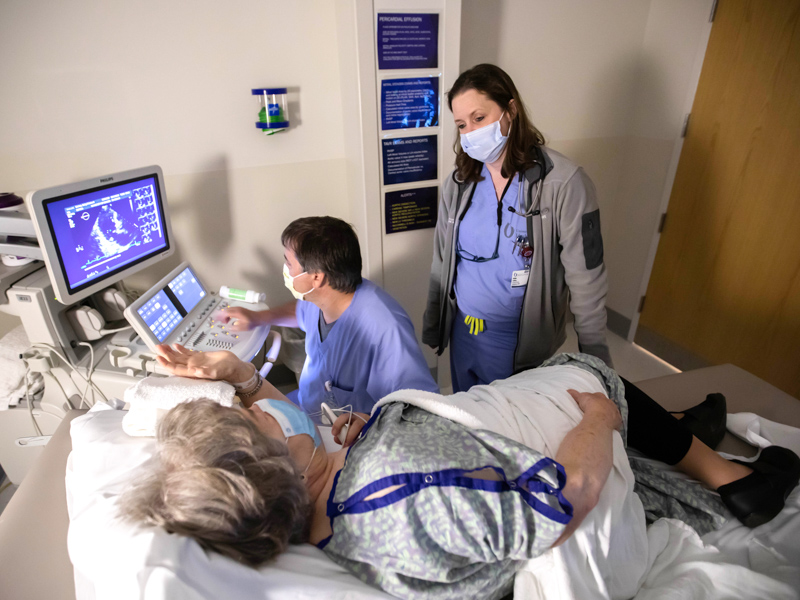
(586, 453)
(220, 365)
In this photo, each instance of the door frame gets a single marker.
(697, 67)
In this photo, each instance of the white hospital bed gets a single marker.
(33, 528)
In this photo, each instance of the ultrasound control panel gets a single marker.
(210, 333)
(179, 309)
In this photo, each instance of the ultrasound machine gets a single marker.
(89, 337)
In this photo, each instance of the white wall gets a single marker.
(608, 84)
(92, 87)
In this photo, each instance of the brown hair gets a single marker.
(224, 483)
(497, 85)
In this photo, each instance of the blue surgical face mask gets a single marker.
(485, 144)
(291, 418)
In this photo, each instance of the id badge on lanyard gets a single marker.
(520, 278)
(522, 246)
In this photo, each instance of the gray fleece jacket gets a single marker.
(566, 270)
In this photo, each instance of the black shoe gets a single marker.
(707, 420)
(760, 496)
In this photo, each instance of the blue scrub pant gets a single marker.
(483, 358)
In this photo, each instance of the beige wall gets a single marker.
(608, 83)
(93, 87)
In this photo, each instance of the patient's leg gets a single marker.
(659, 435)
(654, 431)
(755, 493)
(705, 465)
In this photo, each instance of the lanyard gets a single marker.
(466, 255)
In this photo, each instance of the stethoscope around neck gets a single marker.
(532, 211)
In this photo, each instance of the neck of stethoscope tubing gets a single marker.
(530, 212)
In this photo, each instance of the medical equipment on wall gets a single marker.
(180, 309)
(273, 113)
(249, 296)
(86, 238)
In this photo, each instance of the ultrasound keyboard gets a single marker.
(180, 309)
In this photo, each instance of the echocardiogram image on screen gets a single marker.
(99, 232)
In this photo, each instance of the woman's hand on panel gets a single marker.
(220, 365)
(598, 405)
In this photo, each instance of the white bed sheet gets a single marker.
(116, 560)
(735, 561)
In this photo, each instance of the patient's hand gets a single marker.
(220, 365)
(599, 406)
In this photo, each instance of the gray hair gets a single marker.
(224, 483)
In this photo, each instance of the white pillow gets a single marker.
(116, 560)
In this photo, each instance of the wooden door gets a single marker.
(726, 280)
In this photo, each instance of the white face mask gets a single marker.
(288, 281)
(485, 144)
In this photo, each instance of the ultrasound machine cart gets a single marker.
(87, 338)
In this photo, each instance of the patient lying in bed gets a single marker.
(440, 497)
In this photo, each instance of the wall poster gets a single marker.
(408, 103)
(410, 159)
(407, 210)
(408, 41)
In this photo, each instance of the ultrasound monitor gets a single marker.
(99, 231)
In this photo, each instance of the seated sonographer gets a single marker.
(360, 343)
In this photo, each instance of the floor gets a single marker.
(631, 361)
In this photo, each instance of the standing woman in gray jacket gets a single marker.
(517, 242)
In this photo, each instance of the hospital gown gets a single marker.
(370, 352)
(442, 534)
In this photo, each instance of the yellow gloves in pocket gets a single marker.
(476, 325)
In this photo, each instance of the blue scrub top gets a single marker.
(369, 353)
(484, 289)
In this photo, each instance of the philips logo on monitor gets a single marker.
(106, 179)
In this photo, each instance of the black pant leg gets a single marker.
(652, 430)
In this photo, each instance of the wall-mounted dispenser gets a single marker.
(273, 113)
